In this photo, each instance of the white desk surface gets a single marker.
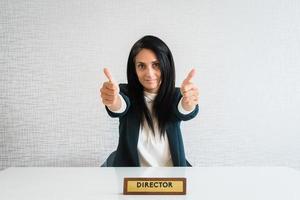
(203, 183)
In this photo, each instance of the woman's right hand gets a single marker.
(110, 92)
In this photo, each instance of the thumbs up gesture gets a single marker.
(110, 92)
(189, 91)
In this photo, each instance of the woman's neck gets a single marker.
(148, 92)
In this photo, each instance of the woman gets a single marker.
(150, 108)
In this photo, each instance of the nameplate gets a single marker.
(155, 186)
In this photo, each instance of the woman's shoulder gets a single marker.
(123, 88)
(177, 92)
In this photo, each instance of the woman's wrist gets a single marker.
(119, 106)
(185, 109)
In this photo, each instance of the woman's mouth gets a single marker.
(150, 80)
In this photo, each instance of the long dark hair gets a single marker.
(163, 102)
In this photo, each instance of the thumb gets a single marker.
(108, 75)
(190, 76)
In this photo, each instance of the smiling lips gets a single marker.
(151, 80)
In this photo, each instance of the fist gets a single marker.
(109, 90)
(189, 91)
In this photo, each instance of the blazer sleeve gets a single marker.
(123, 93)
(179, 116)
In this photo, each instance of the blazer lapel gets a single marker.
(173, 142)
(132, 138)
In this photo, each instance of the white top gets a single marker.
(153, 150)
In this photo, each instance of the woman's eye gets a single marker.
(141, 66)
(156, 65)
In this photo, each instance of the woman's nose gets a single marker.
(149, 70)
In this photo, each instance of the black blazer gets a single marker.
(126, 154)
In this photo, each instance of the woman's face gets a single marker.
(148, 70)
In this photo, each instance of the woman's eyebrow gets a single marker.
(154, 61)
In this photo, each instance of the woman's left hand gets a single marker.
(189, 91)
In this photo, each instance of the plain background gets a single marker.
(246, 54)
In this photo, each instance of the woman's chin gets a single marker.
(151, 89)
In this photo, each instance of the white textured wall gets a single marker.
(248, 69)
